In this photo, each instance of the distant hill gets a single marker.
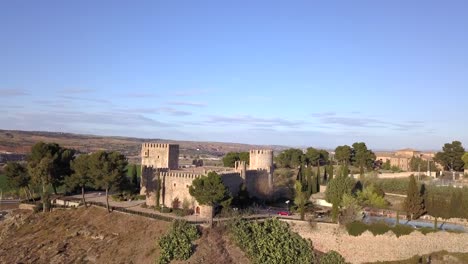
(20, 142)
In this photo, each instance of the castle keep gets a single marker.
(160, 163)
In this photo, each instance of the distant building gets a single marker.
(402, 158)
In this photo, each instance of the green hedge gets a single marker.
(356, 228)
(177, 244)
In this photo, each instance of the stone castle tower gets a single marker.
(262, 160)
(161, 156)
(157, 157)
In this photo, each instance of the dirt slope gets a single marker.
(93, 236)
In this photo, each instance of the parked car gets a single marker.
(284, 213)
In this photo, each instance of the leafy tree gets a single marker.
(465, 160)
(41, 174)
(316, 157)
(18, 177)
(210, 190)
(290, 158)
(134, 179)
(371, 196)
(60, 161)
(81, 176)
(300, 198)
(230, 158)
(336, 188)
(362, 157)
(417, 163)
(350, 210)
(108, 170)
(343, 154)
(387, 165)
(414, 203)
(451, 156)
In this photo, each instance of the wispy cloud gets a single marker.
(12, 92)
(196, 104)
(331, 118)
(59, 119)
(253, 121)
(173, 111)
(192, 92)
(140, 95)
(87, 99)
(323, 114)
(76, 91)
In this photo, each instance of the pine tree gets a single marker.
(330, 172)
(414, 204)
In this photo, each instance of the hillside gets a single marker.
(94, 236)
(21, 142)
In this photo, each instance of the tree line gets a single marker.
(50, 166)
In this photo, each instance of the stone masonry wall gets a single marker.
(386, 247)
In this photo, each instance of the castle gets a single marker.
(161, 161)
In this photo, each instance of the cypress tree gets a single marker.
(309, 183)
(414, 204)
(330, 172)
(134, 178)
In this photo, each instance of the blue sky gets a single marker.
(302, 73)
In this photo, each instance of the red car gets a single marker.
(284, 213)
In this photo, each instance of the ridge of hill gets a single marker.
(20, 142)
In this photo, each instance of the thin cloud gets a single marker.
(195, 104)
(253, 121)
(193, 92)
(354, 122)
(77, 91)
(173, 111)
(95, 100)
(140, 95)
(12, 92)
(323, 114)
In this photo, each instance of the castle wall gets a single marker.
(232, 181)
(258, 184)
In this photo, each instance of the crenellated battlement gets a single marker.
(157, 145)
(261, 151)
(186, 175)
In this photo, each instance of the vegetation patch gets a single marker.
(271, 242)
(177, 244)
(356, 228)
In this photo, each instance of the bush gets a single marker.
(177, 244)
(401, 230)
(356, 228)
(165, 210)
(332, 257)
(182, 212)
(260, 242)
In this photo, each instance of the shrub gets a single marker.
(139, 197)
(356, 228)
(401, 230)
(177, 244)
(332, 257)
(260, 242)
(165, 210)
(378, 228)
